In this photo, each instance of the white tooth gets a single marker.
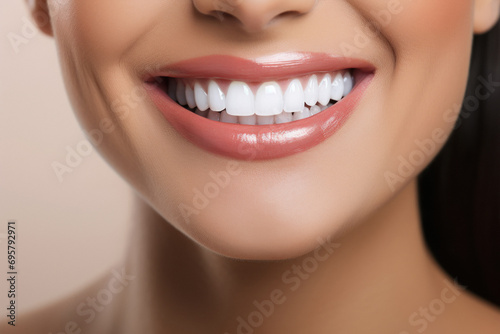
(337, 87)
(348, 82)
(226, 118)
(294, 97)
(284, 117)
(181, 93)
(248, 120)
(315, 110)
(190, 97)
(213, 115)
(265, 120)
(172, 88)
(201, 113)
(201, 97)
(325, 90)
(269, 99)
(216, 98)
(240, 100)
(301, 115)
(311, 91)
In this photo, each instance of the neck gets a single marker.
(380, 272)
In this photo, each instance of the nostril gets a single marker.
(284, 16)
(223, 16)
(254, 16)
(253, 24)
(288, 13)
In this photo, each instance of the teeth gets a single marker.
(248, 120)
(294, 97)
(323, 108)
(311, 92)
(348, 83)
(191, 101)
(284, 117)
(201, 97)
(337, 87)
(201, 113)
(240, 100)
(301, 115)
(265, 120)
(226, 118)
(181, 93)
(315, 110)
(269, 99)
(325, 90)
(303, 97)
(172, 89)
(213, 115)
(216, 98)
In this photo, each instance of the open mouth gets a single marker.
(259, 109)
(253, 103)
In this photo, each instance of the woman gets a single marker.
(275, 148)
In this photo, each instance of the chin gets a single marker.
(272, 232)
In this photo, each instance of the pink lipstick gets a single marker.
(259, 142)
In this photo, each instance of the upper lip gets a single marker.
(273, 67)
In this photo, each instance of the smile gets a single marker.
(272, 102)
(260, 109)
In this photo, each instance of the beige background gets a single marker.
(68, 233)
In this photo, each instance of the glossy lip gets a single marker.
(259, 142)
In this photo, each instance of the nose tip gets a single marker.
(253, 15)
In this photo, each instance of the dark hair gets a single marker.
(459, 192)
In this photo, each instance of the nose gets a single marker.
(254, 15)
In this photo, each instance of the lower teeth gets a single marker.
(284, 117)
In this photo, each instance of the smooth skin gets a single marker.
(373, 273)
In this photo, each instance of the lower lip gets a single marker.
(259, 142)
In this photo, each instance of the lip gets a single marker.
(259, 142)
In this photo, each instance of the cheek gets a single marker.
(432, 20)
(418, 88)
(430, 29)
(417, 26)
(431, 43)
(105, 29)
(93, 39)
(418, 19)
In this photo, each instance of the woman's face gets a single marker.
(411, 74)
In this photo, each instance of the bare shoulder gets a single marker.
(78, 313)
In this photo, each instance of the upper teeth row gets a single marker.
(269, 100)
